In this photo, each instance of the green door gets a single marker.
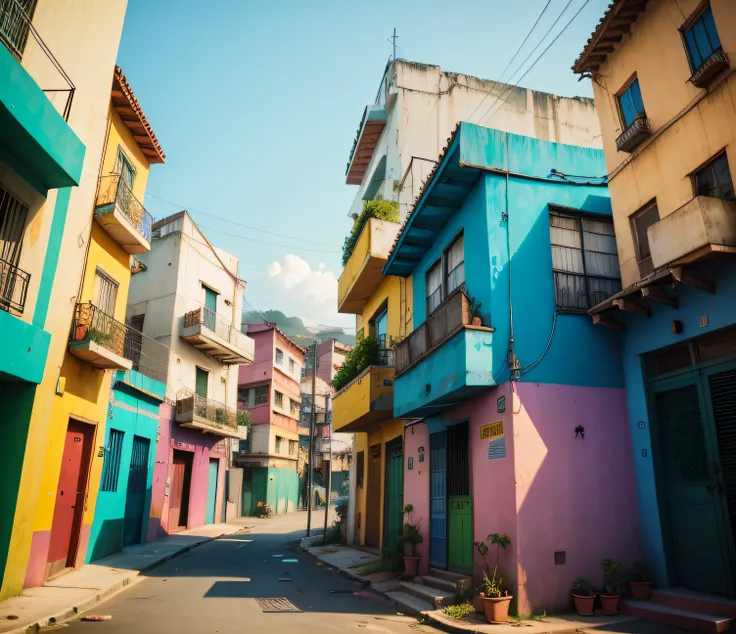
(200, 382)
(688, 472)
(210, 308)
(212, 492)
(393, 496)
(459, 516)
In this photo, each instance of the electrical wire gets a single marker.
(531, 365)
(274, 244)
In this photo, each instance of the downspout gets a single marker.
(511, 359)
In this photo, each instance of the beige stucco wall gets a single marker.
(689, 124)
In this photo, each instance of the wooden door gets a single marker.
(200, 382)
(210, 308)
(179, 490)
(135, 498)
(373, 498)
(393, 496)
(70, 497)
(438, 500)
(212, 491)
(460, 517)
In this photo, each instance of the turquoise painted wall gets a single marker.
(135, 413)
(23, 349)
(279, 488)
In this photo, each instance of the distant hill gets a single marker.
(294, 327)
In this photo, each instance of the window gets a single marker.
(125, 168)
(359, 468)
(279, 399)
(701, 39)
(200, 382)
(279, 357)
(292, 447)
(294, 407)
(379, 327)
(261, 394)
(134, 342)
(434, 287)
(111, 466)
(584, 261)
(714, 179)
(13, 215)
(210, 307)
(455, 267)
(278, 442)
(105, 292)
(640, 222)
(292, 366)
(630, 103)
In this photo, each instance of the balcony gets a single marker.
(700, 227)
(713, 66)
(122, 215)
(445, 359)
(634, 135)
(98, 339)
(363, 272)
(371, 126)
(367, 400)
(196, 412)
(13, 288)
(217, 337)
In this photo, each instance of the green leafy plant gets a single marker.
(459, 611)
(243, 418)
(492, 586)
(411, 530)
(639, 572)
(501, 541)
(378, 208)
(364, 354)
(614, 578)
(583, 588)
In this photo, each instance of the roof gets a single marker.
(612, 27)
(126, 105)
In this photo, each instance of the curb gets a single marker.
(75, 610)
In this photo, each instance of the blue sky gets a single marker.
(256, 105)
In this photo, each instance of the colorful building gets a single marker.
(188, 296)
(50, 156)
(269, 391)
(668, 134)
(520, 399)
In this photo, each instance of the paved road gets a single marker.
(213, 589)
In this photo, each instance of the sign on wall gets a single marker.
(491, 430)
(501, 404)
(497, 448)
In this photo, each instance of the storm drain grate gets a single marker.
(280, 604)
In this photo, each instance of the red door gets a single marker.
(70, 497)
(179, 495)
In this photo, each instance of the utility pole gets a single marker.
(393, 39)
(312, 419)
(329, 470)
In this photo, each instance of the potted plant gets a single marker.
(474, 308)
(496, 600)
(584, 594)
(412, 537)
(614, 586)
(640, 581)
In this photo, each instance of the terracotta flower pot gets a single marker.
(496, 609)
(584, 605)
(641, 589)
(610, 604)
(411, 567)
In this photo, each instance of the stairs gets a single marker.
(430, 592)
(685, 609)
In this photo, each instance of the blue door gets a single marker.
(212, 491)
(135, 499)
(438, 500)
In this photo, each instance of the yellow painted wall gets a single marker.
(689, 124)
(119, 135)
(399, 323)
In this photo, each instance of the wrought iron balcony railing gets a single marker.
(13, 288)
(218, 414)
(217, 324)
(630, 138)
(91, 324)
(114, 193)
(15, 26)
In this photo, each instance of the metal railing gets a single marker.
(149, 357)
(15, 25)
(386, 357)
(13, 288)
(115, 191)
(449, 318)
(91, 324)
(211, 411)
(217, 324)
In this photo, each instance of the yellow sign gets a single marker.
(491, 430)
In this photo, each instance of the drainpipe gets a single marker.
(511, 359)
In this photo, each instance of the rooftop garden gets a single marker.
(379, 208)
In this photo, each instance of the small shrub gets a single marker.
(364, 354)
(379, 208)
(459, 611)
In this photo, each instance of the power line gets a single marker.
(274, 244)
(240, 224)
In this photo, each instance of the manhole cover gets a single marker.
(281, 604)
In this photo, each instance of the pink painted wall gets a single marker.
(204, 447)
(261, 369)
(416, 486)
(572, 494)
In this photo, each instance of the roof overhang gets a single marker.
(371, 126)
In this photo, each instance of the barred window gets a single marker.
(434, 287)
(584, 261)
(111, 465)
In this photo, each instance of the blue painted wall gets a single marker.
(134, 411)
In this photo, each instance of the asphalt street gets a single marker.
(219, 587)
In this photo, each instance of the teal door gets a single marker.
(459, 516)
(393, 496)
(210, 308)
(212, 491)
(690, 479)
(135, 499)
(200, 382)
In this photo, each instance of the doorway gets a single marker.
(373, 499)
(438, 500)
(135, 498)
(394, 496)
(71, 494)
(212, 491)
(459, 516)
(181, 478)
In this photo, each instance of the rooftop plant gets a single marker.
(379, 208)
(364, 354)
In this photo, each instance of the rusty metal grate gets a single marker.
(281, 604)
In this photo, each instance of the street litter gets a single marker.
(290, 561)
(285, 579)
(106, 617)
(277, 556)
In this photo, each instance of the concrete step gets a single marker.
(677, 617)
(440, 584)
(447, 575)
(433, 596)
(409, 604)
(683, 599)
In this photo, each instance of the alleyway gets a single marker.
(214, 587)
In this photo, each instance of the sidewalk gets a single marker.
(85, 587)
